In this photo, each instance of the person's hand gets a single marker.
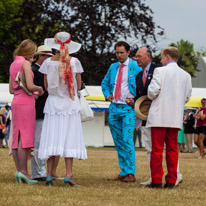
(110, 98)
(36, 96)
(137, 128)
(130, 101)
(40, 92)
(82, 85)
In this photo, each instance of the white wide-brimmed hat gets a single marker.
(63, 37)
(42, 50)
(142, 106)
(189, 108)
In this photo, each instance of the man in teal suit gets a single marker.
(118, 85)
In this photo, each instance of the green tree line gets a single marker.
(96, 24)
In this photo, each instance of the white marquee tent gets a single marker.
(96, 132)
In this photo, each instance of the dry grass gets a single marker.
(95, 190)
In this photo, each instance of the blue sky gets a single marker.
(181, 19)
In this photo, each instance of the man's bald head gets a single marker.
(143, 57)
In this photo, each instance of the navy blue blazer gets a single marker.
(141, 89)
(40, 102)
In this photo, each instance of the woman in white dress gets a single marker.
(62, 130)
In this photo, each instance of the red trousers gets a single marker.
(161, 135)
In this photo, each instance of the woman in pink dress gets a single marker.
(23, 109)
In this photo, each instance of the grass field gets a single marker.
(95, 190)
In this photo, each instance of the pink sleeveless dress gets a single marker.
(23, 110)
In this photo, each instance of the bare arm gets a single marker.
(202, 116)
(11, 89)
(79, 81)
(29, 80)
(1, 122)
(45, 82)
(196, 113)
(200, 113)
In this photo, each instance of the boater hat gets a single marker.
(142, 106)
(189, 108)
(62, 37)
(42, 50)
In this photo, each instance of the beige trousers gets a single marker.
(188, 142)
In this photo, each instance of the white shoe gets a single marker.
(148, 182)
(178, 181)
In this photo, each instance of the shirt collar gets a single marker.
(171, 62)
(147, 67)
(37, 64)
(126, 63)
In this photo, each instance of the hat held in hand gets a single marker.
(142, 106)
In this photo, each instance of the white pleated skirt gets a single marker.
(62, 136)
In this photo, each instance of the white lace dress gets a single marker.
(62, 130)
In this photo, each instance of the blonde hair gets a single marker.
(26, 48)
(172, 52)
(3, 110)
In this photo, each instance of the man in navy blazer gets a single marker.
(144, 60)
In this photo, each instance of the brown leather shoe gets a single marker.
(118, 178)
(129, 178)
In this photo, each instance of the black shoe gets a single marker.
(169, 185)
(153, 185)
(40, 178)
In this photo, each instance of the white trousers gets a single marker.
(38, 169)
(146, 135)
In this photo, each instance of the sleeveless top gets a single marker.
(20, 97)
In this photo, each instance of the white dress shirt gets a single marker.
(124, 85)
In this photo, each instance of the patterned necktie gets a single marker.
(119, 82)
(145, 77)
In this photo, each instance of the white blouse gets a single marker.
(59, 101)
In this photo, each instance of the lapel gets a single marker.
(150, 74)
(148, 80)
(139, 81)
(131, 70)
(114, 73)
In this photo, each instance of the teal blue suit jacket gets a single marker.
(109, 79)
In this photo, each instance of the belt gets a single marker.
(17, 89)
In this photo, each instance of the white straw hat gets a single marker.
(62, 36)
(142, 106)
(43, 50)
(189, 108)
